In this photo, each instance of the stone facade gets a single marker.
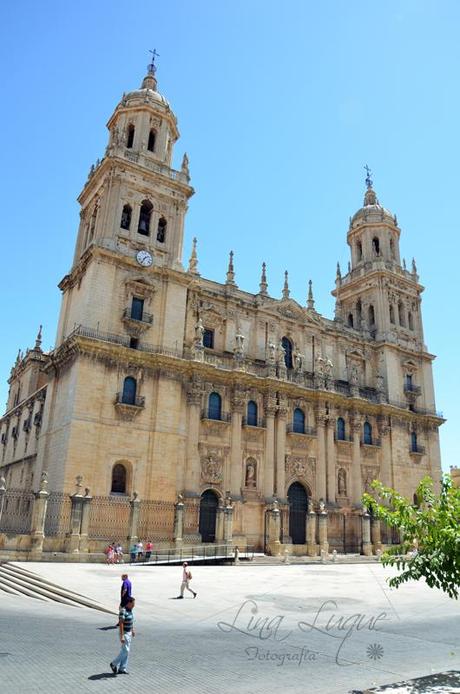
(189, 385)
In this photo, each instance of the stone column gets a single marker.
(178, 533)
(269, 469)
(134, 519)
(356, 480)
(385, 470)
(192, 474)
(235, 455)
(220, 522)
(38, 516)
(331, 458)
(312, 547)
(375, 535)
(321, 489)
(366, 526)
(322, 531)
(274, 529)
(228, 523)
(84, 528)
(281, 449)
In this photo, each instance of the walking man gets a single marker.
(186, 578)
(126, 625)
(126, 589)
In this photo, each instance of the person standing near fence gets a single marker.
(186, 578)
(126, 626)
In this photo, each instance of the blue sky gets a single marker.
(279, 105)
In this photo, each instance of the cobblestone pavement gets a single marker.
(327, 629)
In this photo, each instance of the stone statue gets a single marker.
(185, 165)
(239, 342)
(199, 332)
(272, 352)
(322, 506)
(354, 376)
(342, 483)
(328, 367)
(298, 361)
(251, 478)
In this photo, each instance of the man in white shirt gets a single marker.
(186, 578)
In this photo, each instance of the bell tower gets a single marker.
(133, 198)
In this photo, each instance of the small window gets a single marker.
(134, 342)
(214, 406)
(401, 317)
(208, 338)
(392, 314)
(126, 217)
(129, 391)
(118, 479)
(341, 429)
(287, 346)
(367, 429)
(151, 142)
(130, 138)
(137, 308)
(376, 245)
(371, 313)
(410, 320)
(350, 320)
(144, 218)
(298, 421)
(359, 251)
(413, 442)
(251, 418)
(161, 231)
(409, 381)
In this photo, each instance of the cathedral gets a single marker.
(195, 411)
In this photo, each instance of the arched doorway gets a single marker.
(208, 512)
(298, 507)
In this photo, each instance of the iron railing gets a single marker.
(258, 422)
(195, 553)
(371, 442)
(417, 449)
(139, 401)
(145, 318)
(306, 431)
(216, 416)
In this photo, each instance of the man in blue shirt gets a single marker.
(126, 624)
(126, 589)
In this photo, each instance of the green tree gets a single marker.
(430, 533)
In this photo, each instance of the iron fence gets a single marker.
(156, 521)
(109, 518)
(16, 506)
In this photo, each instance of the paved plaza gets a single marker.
(295, 628)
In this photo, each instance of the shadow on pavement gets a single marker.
(102, 676)
(108, 628)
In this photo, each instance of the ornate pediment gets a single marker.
(140, 286)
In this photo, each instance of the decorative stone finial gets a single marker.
(310, 300)
(338, 274)
(193, 262)
(78, 483)
(263, 286)
(231, 271)
(414, 267)
(185, 165)
(370, 197)
(286, 291)
(404, 264)
(43, 481)
(38, 339)
(2, 484)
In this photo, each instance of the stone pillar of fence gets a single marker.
(134, 519)
(366, 524)
(86, 506)
(376, 535)
(220, 522)
(274, 529)
(322, 531)
(179, 522)
(312, 546)
(228, 523)
(37, 530)
(2, 496)
(72, 544)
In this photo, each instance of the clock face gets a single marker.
(144, 258)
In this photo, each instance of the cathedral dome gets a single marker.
(372, 211)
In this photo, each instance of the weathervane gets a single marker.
(368, 177)
(152, 67)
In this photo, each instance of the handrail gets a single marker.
(195, 553)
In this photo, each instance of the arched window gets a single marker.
(401, 317)
(126, 217)
(367, 430)
(129, 391)
(251, 418)
(359, 251)
(376, 245)
(350, 320)
(130, 138)
(359, 313)
(214, 406)
(341, 429)
(144, 218)
(161, 231)
(392, 249)
(151, 142)
(410, 320)
(392, 314)
(371, 314)
(118, 479)
(298, 422)
(413, 442)
(92, 225)
(287, 346)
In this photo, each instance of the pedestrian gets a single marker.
(186, 578)
(109, 553)
(132, 553)
(119, 553)
(126, 626)
(140, 551)
(148, 550)
(126, 589)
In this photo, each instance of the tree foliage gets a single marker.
(430, 533)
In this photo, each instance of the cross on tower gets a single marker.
(368, 177)
(152, 67)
